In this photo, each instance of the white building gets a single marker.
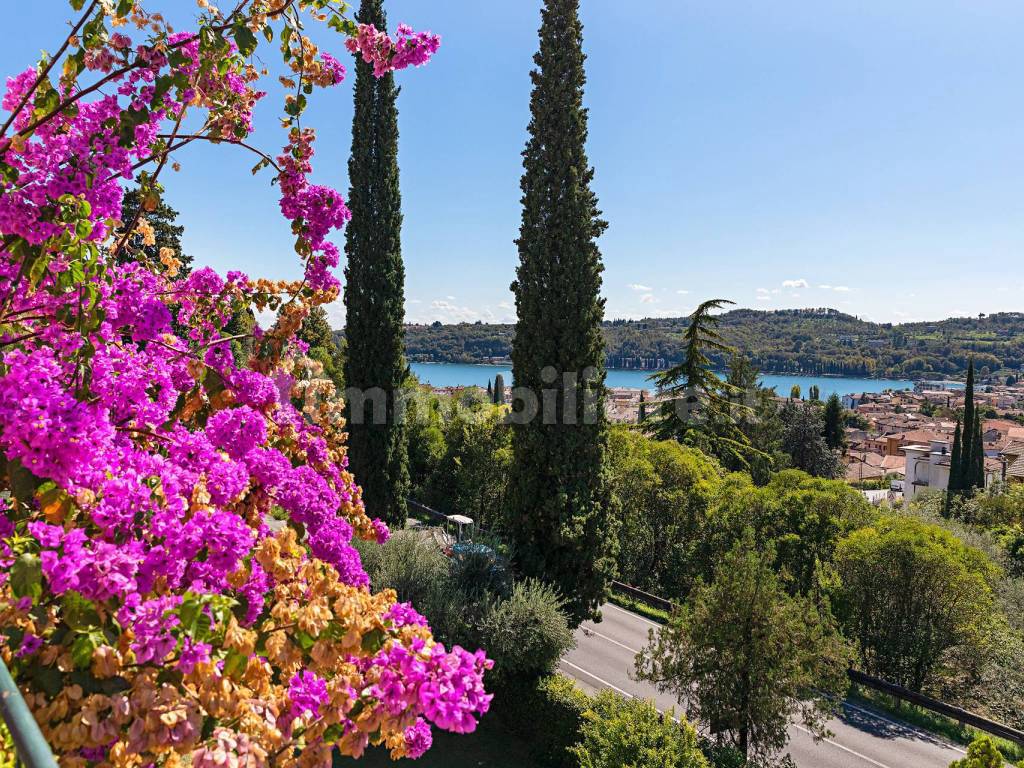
(927, 467)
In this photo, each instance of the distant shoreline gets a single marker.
(508, 364)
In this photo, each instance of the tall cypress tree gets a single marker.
(559, 494)
(966, 456)
(977, 469)
(956, 467)
(375, 292)
(499, 389)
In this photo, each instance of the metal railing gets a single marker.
(646, 598)
(859, 678)
(33, 751)
(948, 710)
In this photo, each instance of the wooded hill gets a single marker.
(809, 341)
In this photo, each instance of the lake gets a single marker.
(467, 374)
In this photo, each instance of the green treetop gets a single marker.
(699, 408)
(743, 655)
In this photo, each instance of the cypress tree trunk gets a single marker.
(375, 366)
(558, 493)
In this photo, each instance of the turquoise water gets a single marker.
(465, 375)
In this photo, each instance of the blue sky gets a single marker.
(860, 155)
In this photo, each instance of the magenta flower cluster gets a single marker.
(156, 453)
(407, 49)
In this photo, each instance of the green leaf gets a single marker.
(235, 663)
(78, 612)
(304, 640)
(244, 39)
(213, 382)
(77, 4)
(27, 576)
(124, 7)
(373, 641)
(84, 646)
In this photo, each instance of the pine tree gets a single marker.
(835, 432)
(558, 490)
(374, 291)
(166, 233)
(499, 389)
(699, 408)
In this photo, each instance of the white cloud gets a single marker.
(825, 287)
(801, 283)
(504, 305)
(648, 298)
(413, 301)
(842, 288)
(763, 297)
(764, 291)
(776, 290)
(682, 291)
(640, 288)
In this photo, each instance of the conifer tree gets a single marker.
(166, 233)
(835, 433)
(698, 407)
(490, 392)
(967, 453)
(956, 468)
(375, 292)
(499, 389)
(558, 491)
(641, 416)
(977, 455)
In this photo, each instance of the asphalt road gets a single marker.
(603, 658)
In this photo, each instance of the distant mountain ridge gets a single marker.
(819, 341)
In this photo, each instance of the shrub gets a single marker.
(631, 733)
(548, 712)
(527, 633)
(982, 753)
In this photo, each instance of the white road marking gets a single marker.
(845, 749)
(868, 712)
(907, 726)
(588, 631)
(602, 681)
(615, 688)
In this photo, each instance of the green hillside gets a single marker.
(810, 341)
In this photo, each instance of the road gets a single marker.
(603, 658)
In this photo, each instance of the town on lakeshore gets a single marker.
(898, 442)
